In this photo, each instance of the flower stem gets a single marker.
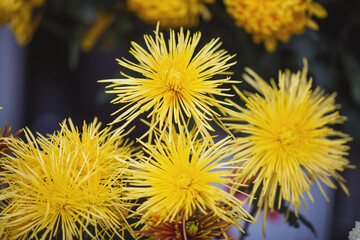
(184, 227)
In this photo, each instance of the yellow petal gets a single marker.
(318, 10)
(313, 25)
(270, 44)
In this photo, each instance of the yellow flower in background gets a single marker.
(8, 8)
(181, 175)
(170, 13)
(287, 142)
(172, 82)
(18, 14)
(69, 181)
(271, 20)
(24, 25)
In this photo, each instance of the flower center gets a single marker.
(173, 79)
(192, 228)
(288, 136)
(183, 181)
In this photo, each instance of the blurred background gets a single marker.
(52, 73)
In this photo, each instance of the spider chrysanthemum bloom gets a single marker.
(271, 20)
(204, 226)
(171, 13)
(180, 175)
(68, 184)
(176, 83)
(288, 142)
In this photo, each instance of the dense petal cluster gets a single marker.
(172, 83)
(181, 175)
(170, 13)
(19, 16)
(287, 141)
(271, 20)
(67, 184)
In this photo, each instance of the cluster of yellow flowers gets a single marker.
(179, 182)
(269, 21)
(18, 14)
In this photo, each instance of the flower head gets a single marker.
(181, 175)
(354, 234)
(271, 20)
(170, 13)
(176, 84)
(68, 181)
(287, 140)
(199, 226)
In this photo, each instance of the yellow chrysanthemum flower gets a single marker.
(170, 13)
(69, 183)
(176, 84)
(181, 175)
(271, 20)
(288, 143)
(19, 16)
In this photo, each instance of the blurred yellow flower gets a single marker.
(68, 181)
(172, 82)
(170, 13)
(287, 140)
(18, 14)
(181, 175)
(271, 20)
(8, 8)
